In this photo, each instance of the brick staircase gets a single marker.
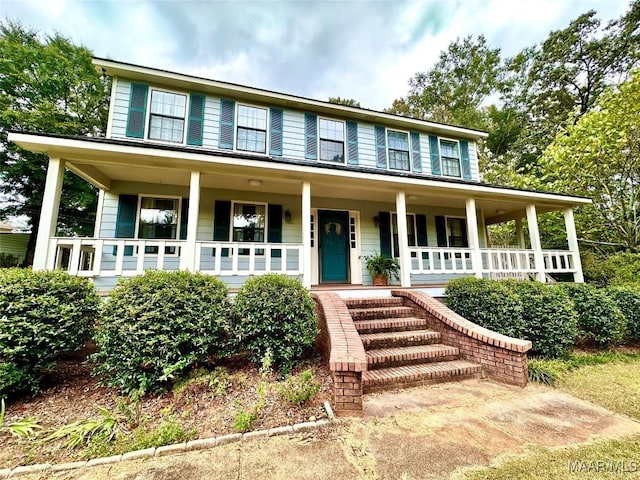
(401, 351)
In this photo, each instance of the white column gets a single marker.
(572, 240)
(474, 242)
(49, 212)
(520, 233)
(536, 246)
(403, 240)
(98, 223)
(482, 232)
(188, 255)
(306, 234)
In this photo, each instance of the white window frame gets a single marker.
(179, 220)
(446, 224)
(266, 220)
(454, 140)
(344, 141)
(408, 134)
(236, 126)
(415, 231)
(187, 107)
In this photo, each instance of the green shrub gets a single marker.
(244, 420)
(299, 389)
(42, 314)
(274, 316)
(159, 325)
(599, 318)
(627, 298)
(547, 372)
(170, 431)
(617, 269)
(7, 260)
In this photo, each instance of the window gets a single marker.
(457, 232)
(411, 232)
(398, 150)
(158, 220)
(331, 141)
(249, 222)
(166, 122)
(252, 129)
(450, 155)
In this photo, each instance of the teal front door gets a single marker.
(334, 246)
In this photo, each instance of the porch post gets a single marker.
(98, 224)
(572, 240)
(536, 246)
(49, 212)
(188, 256)
(520, 233)
(474, 242)
(403, 240)
(306, 234)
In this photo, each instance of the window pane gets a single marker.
(331, 130)
(158, 218)
(450, 158)
(398, 160)
(252, 117)
(411, 232)
(398, 141)
(168, 104)
(166, 129)
(331, 151)
(248, 222)
(252, 140)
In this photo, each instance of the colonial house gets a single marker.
(235, 181)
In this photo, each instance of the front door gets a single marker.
(334, 246)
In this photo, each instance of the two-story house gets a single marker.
(235, 181)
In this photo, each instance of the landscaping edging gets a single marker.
(190, 446)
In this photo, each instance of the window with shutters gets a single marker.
(158, 218)
(248, 224)
(450, 158)
(167, 116)
(331, 140)
(252, 129)
(411, 232)
(398, 147)
(457, 232)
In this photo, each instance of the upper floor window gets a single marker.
(252, 129)
(158, 219)
(167, 115)
(331, 140)
(398, 150)
(450, 155)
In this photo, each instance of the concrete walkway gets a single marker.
(422, 433)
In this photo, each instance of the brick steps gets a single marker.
(381, 325)
(373, 302)
(415, 375)
(399, 339)
(381, 312)
(393, 357)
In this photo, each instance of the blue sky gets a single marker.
(365, 50)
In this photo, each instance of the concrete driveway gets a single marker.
(422, 433)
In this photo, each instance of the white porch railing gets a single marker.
(109, 257)
(440, 260)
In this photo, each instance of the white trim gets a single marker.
(344, 140)
(572, 243)
(98, 223)
(454, 140)
(353, 259)
(315, 259)
(472, 236)
(536, 246)
(356, 253)
(306, 234)
(43, 256)
(187, 106)
(408, 134)
(112, 101)
(188, 255)
(236, 125)
(405, 253)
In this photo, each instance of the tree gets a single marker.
(349, 102)
(598, 157)
(49, 85)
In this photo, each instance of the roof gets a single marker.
(200, 84)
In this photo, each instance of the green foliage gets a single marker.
(275, 316)
(627, 298)
(157, 326)
(379, 264)
(216, 382)
(349, 102)
(43, 314)
(616, 269)
(299, 389)
(8, 260)
(169, 432)
(26, 427)
(599, 319)
(81, 433)
(544, 371)
(244, 420)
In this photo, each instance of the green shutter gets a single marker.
(465, 237)
(434, 150)
(222, 223)
(274, 229)
(184, 218)
(126, 220)
(465, 160)
(310, 136)
(416, 155)
(227, 116)
(195, 124)
(441, 231)
(352, 143)
(137, 110)
(384, 222)
(275, 131)
(381, 147)
(421, 230)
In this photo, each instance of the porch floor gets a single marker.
(365, 291)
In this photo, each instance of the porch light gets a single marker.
(287, 216)
(255, 182)
(500, 212)
(412, 197)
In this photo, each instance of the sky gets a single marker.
(365, 50)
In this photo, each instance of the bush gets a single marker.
(274, 317)
(547, 372)
(617, 269)
(599, 319)
(627, 298)
(299, 389)
(42, 315)
(157, 326)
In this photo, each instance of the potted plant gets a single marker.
(382, 268)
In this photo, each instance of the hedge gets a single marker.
(627, 298)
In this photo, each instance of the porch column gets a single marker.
(49, 212)
(98, 224)
(188, 256)
(520, 233)
(403, 240)
(306, 234)
(474, 241)
(536, 246)
(572, 240)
